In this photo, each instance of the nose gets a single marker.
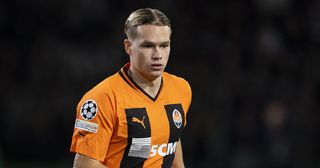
(156, 54)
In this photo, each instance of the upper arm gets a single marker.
(178, 157)
(188, 95)
(94, 126)
(82, 161)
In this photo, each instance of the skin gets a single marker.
(149, 53)
(82, 161)
(178, 157)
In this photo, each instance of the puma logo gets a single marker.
(135, 119)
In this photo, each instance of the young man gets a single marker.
(135, 117)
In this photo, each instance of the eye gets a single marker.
(147, 45)
(164, 45)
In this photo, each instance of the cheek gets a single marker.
(143, 54)
(139, 57)
(166, 53)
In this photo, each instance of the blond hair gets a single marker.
(144, 16)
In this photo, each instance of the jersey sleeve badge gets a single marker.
(89, 110)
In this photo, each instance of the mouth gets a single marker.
(156, 67)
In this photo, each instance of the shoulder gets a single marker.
(177, 82)
(176, 79)
(105, 87)
(178, 88)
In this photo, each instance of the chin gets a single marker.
(155, 75)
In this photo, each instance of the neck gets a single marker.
(150, 86)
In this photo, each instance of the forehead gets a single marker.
(153, 33)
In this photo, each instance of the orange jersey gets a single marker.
(122, 126)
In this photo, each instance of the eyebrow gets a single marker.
(150, 42)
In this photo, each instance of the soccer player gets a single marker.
(135, 117)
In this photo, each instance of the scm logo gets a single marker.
(163, 149)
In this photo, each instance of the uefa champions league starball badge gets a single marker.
(89, 110)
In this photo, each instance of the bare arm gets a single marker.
(178, 157)
(82, 161)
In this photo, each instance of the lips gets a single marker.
(156, 67)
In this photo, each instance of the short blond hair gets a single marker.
(145, 16)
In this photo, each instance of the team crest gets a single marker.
(177, 118)
(89, 110)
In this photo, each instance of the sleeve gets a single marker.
(94, 126)
(187, 99)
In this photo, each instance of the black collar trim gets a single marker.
(125, 74)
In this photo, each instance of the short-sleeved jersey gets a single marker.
(120, 125)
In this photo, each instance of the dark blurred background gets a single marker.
(254, 67)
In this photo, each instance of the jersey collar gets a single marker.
(124, 74)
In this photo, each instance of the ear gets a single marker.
(127, 46)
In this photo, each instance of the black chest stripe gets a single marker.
(139, 134)
(176, 120)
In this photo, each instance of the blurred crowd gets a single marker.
(253, 66)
